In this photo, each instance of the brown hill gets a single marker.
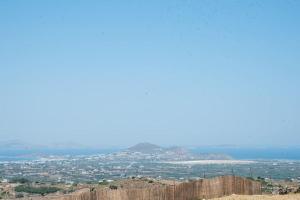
(146, 148)
(201, 189)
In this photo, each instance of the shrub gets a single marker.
(19, 180)
(103, 182)
(113, 187)
(19, 196)
(36, 190)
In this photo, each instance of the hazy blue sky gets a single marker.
(189, 72)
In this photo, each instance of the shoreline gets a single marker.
(205, 162)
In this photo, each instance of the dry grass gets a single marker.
(261, 197)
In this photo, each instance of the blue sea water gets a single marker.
(286, 153)
(32, 154)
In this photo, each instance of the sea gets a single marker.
(33, 154)
(240, 153)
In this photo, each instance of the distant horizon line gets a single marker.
(74, 145)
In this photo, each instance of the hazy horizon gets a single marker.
(22, 145)
(187, 73)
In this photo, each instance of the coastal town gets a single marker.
(66, 174)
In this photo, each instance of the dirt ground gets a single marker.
(261, 197)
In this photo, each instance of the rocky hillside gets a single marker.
(172, 153)
(146, 148)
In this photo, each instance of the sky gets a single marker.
(180, 72)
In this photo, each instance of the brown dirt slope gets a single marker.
(202, 189)
(261, 197)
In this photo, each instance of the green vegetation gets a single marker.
(113, 187)
(250, 178)
(3, 194)
(19, 180)
(67, 191)
(262, 180)
(36, 190)
(74, 184)
(298, 190)
(19, 196)
(104, 182)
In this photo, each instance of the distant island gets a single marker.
(174, 153)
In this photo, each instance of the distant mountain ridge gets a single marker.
(15, 149)
(146, 148)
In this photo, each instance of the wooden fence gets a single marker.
(193, 190)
